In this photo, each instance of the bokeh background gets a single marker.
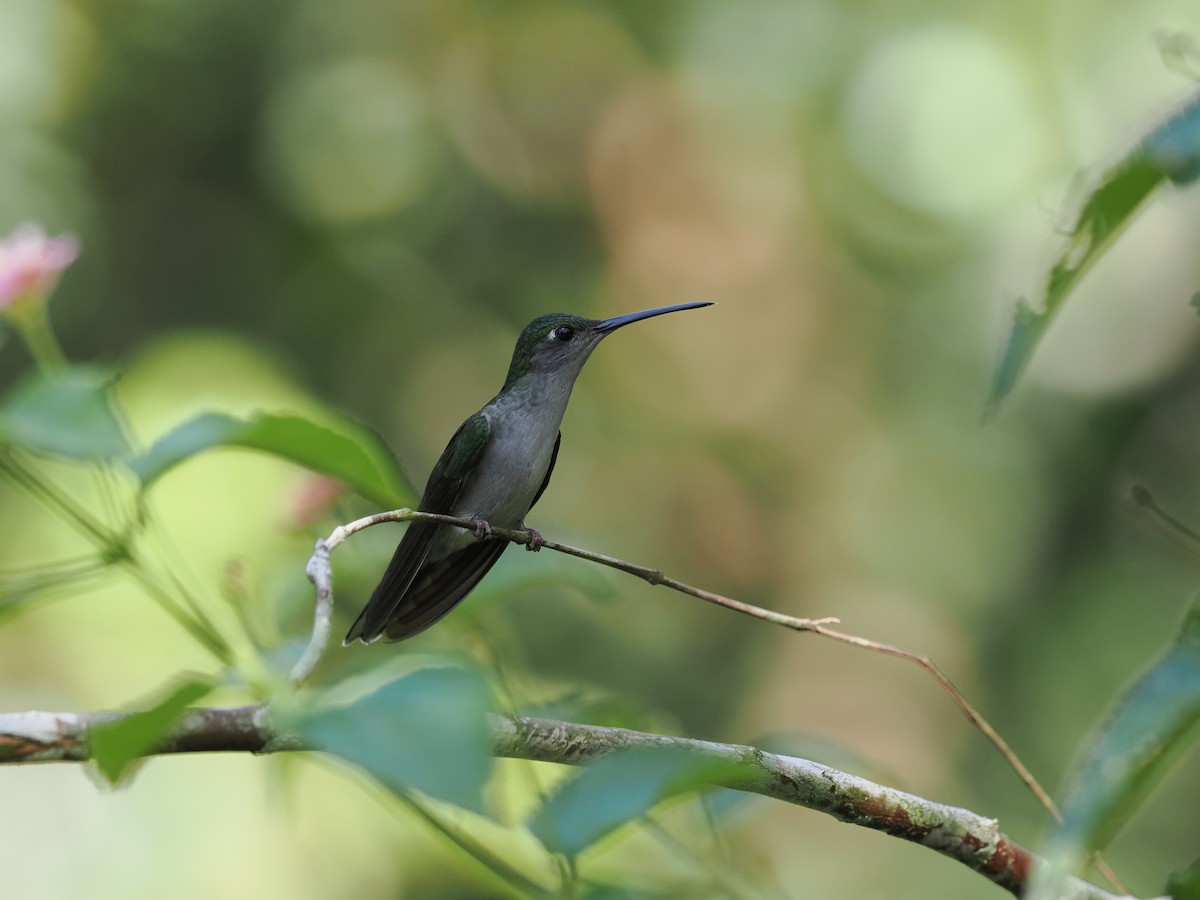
(284, 205)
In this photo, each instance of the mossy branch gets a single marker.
(321, 574)
(973, 840)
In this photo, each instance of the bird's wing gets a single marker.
(439, 586)
(445, 486)
(549, 471)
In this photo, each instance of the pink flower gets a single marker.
(315, 498)
(30, 262)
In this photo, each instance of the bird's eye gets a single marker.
(563, 333)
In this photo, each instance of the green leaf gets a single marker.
(1170, 152)
(617, 788)
(116, 744)
(426, 730)
(344, 450)
(1174, 147)
(64, 413)
(1153, 723)
(1184, 884)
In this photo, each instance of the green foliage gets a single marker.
(425, 731)
(616, 789)
(406, 242)
(1153, 724)
(19, 590)
(1170, 152)
(346, 451)
(116, 745)
(64, 412)
(1184, 884)
(1157, 719)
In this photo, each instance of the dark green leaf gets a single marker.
(116, 744)
(1170, 152)
(344, 450)
(1184, 884)
(427, 730)
(617, 788)
(1154, 722)
(66, 413)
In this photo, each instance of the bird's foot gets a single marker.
(536, 541)
(482, 528)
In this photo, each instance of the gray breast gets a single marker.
(515, 462)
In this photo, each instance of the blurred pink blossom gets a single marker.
(30, 262)
(314, 499)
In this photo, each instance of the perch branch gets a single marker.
(320, 572)
(959, 834)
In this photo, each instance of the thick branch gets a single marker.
(962, 835)
(320, 572)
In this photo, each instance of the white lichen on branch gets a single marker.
(959, 834)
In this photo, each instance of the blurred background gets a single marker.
(359, 205)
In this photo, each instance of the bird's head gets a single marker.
(561, 342)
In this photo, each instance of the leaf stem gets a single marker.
(1174, 530)
(115, 550)
(473, 848)
(36, 487)
(31, 319)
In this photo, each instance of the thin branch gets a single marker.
(1174, 530)
(959, 834)
(320, 573)
(960, 701)
(818, 626)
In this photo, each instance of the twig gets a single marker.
(320, 573)
(1174, 530)
(959, 834)
(818, 626)
(960, 701)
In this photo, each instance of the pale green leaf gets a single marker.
(115, 745)
(616, 789)
(426, 731)
(343, 450)
(1155, 721)
(1171, 152)
(65, 413)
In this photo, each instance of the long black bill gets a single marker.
(617, 321)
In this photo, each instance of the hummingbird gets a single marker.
(492, 472)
